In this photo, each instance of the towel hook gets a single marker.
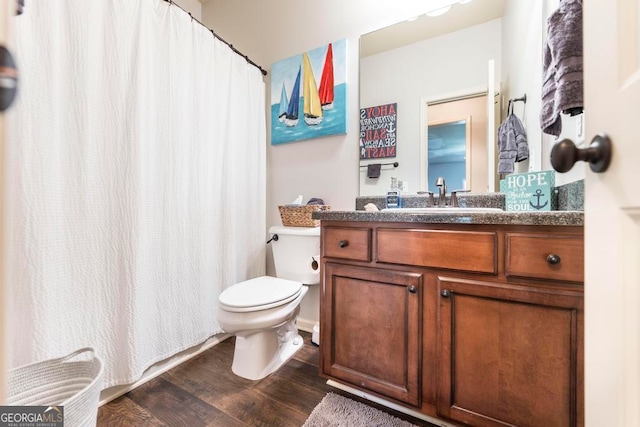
(523, 99)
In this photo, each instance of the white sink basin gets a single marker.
(442, 210)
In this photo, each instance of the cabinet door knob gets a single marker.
(446, 293)
(343, 243)
(412, 289)
(553, 259)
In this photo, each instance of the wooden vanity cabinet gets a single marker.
(480, 325)
(508, 355)
(371, 336)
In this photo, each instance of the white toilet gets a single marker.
(262, 312)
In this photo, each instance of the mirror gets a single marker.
(430, 60)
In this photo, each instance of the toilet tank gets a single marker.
(296, 253)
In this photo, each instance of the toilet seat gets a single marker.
(260, 293)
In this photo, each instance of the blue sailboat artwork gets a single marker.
(291, 117)
(284, 104)
(300, 108)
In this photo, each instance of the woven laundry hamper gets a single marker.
(74, 384)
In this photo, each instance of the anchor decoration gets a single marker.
(538, 195)
(532, 191)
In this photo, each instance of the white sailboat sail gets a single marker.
(284, 104)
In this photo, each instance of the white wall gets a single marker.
(428, 69)
(522, 26)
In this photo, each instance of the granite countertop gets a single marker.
(566, 218)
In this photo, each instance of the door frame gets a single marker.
(5, 31)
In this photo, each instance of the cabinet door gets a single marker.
(370, 326)
(509, 355)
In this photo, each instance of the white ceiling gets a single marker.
(425, 27)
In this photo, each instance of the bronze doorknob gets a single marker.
(565, 154)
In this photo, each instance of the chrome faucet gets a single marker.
(442, 192)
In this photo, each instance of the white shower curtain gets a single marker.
(136, 168)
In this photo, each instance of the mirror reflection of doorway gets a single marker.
(457, 144)
(448, 144)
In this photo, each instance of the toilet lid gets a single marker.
(260, 293)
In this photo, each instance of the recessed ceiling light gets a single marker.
(438, 12)
(412, 19)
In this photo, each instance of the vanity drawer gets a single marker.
(347, 243)
(457, 250)
(545, 256)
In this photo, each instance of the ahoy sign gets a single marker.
(532, 191)
(378, 131)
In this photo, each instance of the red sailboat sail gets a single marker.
(326, 82)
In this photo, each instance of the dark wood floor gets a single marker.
(204, 392)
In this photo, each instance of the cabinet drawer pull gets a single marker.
(343, 243)
(412, 289)
(553, 259)
(446, 293)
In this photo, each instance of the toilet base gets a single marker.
(261, 353)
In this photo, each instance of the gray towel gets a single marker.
(315, 201)
(562, 86)
(512, 144)
(373, 170)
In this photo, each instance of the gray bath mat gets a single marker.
(338, 411)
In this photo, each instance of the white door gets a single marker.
(7, 7)
(4, 35)
(612, 215)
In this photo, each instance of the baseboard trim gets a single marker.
(306, 324)
(391, 405)
(111, 393)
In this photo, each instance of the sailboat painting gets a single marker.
(325, 92)
(293, 106)
(312, 107)
(308, 94)
(284, 105)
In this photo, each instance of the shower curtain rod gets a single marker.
(262, 70)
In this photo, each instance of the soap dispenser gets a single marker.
(394, 196)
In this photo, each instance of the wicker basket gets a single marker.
(76, 385)
(300, 216)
